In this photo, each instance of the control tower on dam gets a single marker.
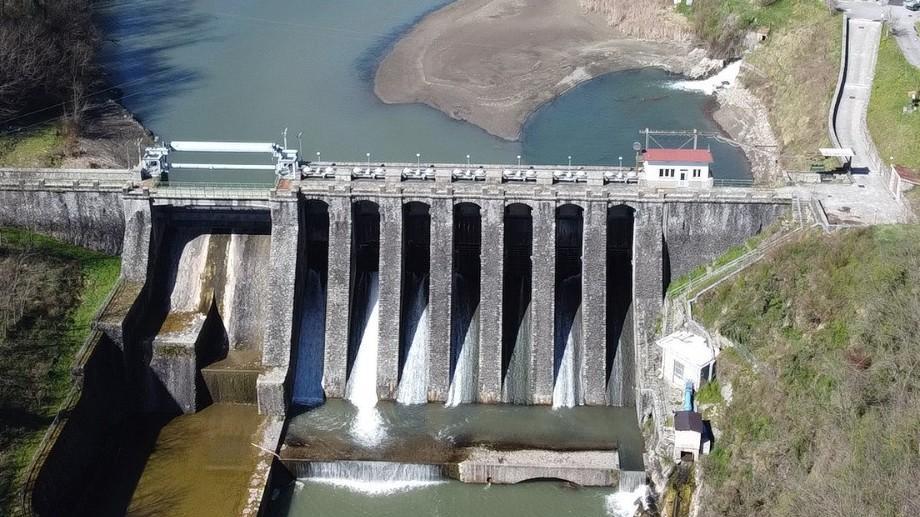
(490, 291)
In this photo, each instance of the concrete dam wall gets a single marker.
(517, 295)
(80, 207)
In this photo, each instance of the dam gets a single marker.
(417, 296)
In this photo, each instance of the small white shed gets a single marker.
(668, 168)
(687, 356)
(690, 435)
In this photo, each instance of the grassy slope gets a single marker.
(40, 147)
(51, 292)
(794, 72)
(895, 133)
(829, 424)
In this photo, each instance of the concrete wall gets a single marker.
(697, 233)
(81, 438)
(88, 217)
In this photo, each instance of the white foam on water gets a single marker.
(413, 388)
(375, 488)
(728, 76)
(625, 504)
(361, 389)
(564, 389)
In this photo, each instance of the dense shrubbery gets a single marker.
(47, 59)
(50, 293)
(829, 422)
(794, 72)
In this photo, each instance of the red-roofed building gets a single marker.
(677, 168)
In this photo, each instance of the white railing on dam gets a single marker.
(48, 177)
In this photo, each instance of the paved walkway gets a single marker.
(851, 116)
(903, 26)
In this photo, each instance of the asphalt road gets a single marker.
(902, 23)
(851, 116)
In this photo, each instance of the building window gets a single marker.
(696, 173)
(661, 173)
(678, 372)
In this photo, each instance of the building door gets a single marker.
(683, 178)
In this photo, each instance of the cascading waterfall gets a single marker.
(516, 388)
(567, 340)
(308, 385)
(464, 346)
(413, 386)
(372, 477)
(626, 503)
(361, 388)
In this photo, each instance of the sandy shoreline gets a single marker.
(494, 62)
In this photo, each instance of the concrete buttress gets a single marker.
(276, 350)
(338, 297)
(490, 301)
(391, 261)
(543, 301)
(594, 304)
(439, 312)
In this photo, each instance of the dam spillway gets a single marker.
(272, 276)
(469, 292)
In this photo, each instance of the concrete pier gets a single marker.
(490, 301)
(338, 293)
(594, 304)
(391, 260)
(542, 302)
(439, 294)
(276, 353)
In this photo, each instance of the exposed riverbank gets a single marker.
(494, 62)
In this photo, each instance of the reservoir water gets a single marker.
(240, 70)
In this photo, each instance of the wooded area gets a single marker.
(47, 61)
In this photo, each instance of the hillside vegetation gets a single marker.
(827, 422)
(794, 71)
(896, 133)
(49, 296)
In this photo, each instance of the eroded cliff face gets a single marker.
(642, 19)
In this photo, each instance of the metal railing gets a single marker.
(183, 189)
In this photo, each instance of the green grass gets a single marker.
(52, 290)
(41, 147)
(723, 24)
(829, 424)
(897, 134)
(709, 393)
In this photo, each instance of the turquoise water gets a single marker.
(241, 70)
(598, 121)
(453, 499)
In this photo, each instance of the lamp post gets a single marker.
(300, 143)
(418, 161)
(318, 157)
(467, 161)
(570, 161)
(621, 162)
(519, 161)
(368, 161)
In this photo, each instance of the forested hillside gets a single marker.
(825, 421)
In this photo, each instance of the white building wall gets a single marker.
(687, 441)
(669, 175)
